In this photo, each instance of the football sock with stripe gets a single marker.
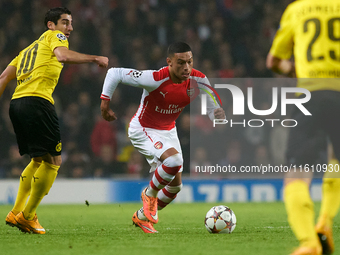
(25, 186)
(167, 195)
(41, 183)
(300, 211)
(164, 174)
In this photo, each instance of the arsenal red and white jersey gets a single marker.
(162, 100)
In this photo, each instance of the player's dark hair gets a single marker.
(178, 47)
(54, 14)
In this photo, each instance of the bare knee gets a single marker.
(54, 160)
(37, 159)
(169, 152)
(300, 176)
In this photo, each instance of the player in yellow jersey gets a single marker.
(37, 69)
(311, 29)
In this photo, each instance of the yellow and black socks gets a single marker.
(25, 186)
(300, 211)
(330, 194)
(41, 183)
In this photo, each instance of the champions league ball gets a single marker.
(220, 220)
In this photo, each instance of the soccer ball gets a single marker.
(220, 220)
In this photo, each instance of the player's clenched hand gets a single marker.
(107, 113)
(102, 61)
(219, 113)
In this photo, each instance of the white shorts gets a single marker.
(152, 143)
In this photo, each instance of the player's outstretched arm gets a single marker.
(64, 55)
(107, 113)
(7, 75)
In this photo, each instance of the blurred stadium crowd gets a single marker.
(229, 39)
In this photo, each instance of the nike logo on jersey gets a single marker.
(163, 94)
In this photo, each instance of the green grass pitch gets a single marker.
(262, 228)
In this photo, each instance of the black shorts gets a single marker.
(36, 126)
(308, 140)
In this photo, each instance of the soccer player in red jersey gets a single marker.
(152, 129)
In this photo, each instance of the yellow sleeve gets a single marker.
(57, 39)
(283, 43)
(14, 62)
